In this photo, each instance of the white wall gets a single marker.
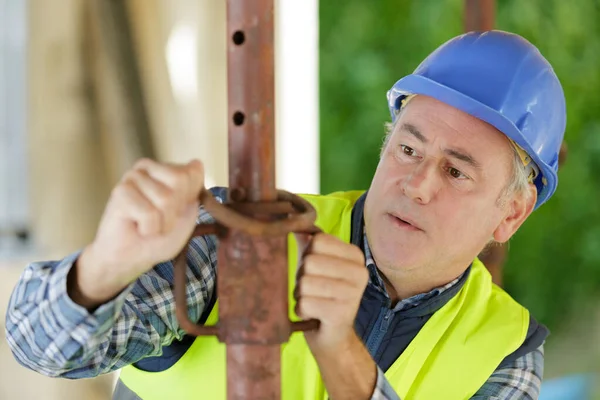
(197, 42)
(297, 91)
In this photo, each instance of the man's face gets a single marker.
(433, 202)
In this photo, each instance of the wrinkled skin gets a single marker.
(437, 197)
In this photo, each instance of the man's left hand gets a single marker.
(331, 281)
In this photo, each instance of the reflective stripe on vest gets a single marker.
(451, 357)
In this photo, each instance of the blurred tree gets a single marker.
(554, 260)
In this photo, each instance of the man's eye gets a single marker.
(409, 151)
(456, 173)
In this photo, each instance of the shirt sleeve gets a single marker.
(49, 333)
(383, 389)
(520, 380)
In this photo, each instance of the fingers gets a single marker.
(334, 268)
(318, 308)
(328, 265)
(185, 180)
(331, 281)
(131, 203)
(327, 288)
(166, 202)
(156, 196)
(323, 243)
(333, 302)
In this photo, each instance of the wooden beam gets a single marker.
(68, 182)
(118, 91)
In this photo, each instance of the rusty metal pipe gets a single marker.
(228, 216)
(252, 277)
(253, 226)
(252, 270)
(479, 15)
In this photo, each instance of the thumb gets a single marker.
(195, 172)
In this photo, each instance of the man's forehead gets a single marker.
(451, 150)
(424, 113)
(469, 139)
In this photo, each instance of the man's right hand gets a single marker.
(148, 219)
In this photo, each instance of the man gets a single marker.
(471, 151)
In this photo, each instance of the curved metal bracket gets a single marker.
(301, 217)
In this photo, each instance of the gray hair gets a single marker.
(520, 180)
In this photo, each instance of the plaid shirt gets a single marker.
(52, 335)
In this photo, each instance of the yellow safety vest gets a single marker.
(451, 357)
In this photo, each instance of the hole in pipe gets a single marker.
(239, 37)
(238, 118)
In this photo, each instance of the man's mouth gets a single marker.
(404, 222)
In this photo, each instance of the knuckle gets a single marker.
(127, 176)
(301, 308)
(319, 241)
(319, 237)
(358, 254)
(307, 284)
(311, 263)
(309, 259)
(304, 307)
(142, 163)
(123, 189)
(162, 205)
(134, 175)
(117, 191)
(164, 200)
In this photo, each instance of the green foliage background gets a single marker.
(366, 45)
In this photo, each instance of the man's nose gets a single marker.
(422, 184)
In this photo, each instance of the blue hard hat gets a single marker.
(504, 80)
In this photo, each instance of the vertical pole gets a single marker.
(479, 15)
(252, 279)
(117, 88)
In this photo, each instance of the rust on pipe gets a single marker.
(252, 277)
(254, 223)
(479, 15)
(227, 217)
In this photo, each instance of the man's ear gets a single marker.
(518, 207)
